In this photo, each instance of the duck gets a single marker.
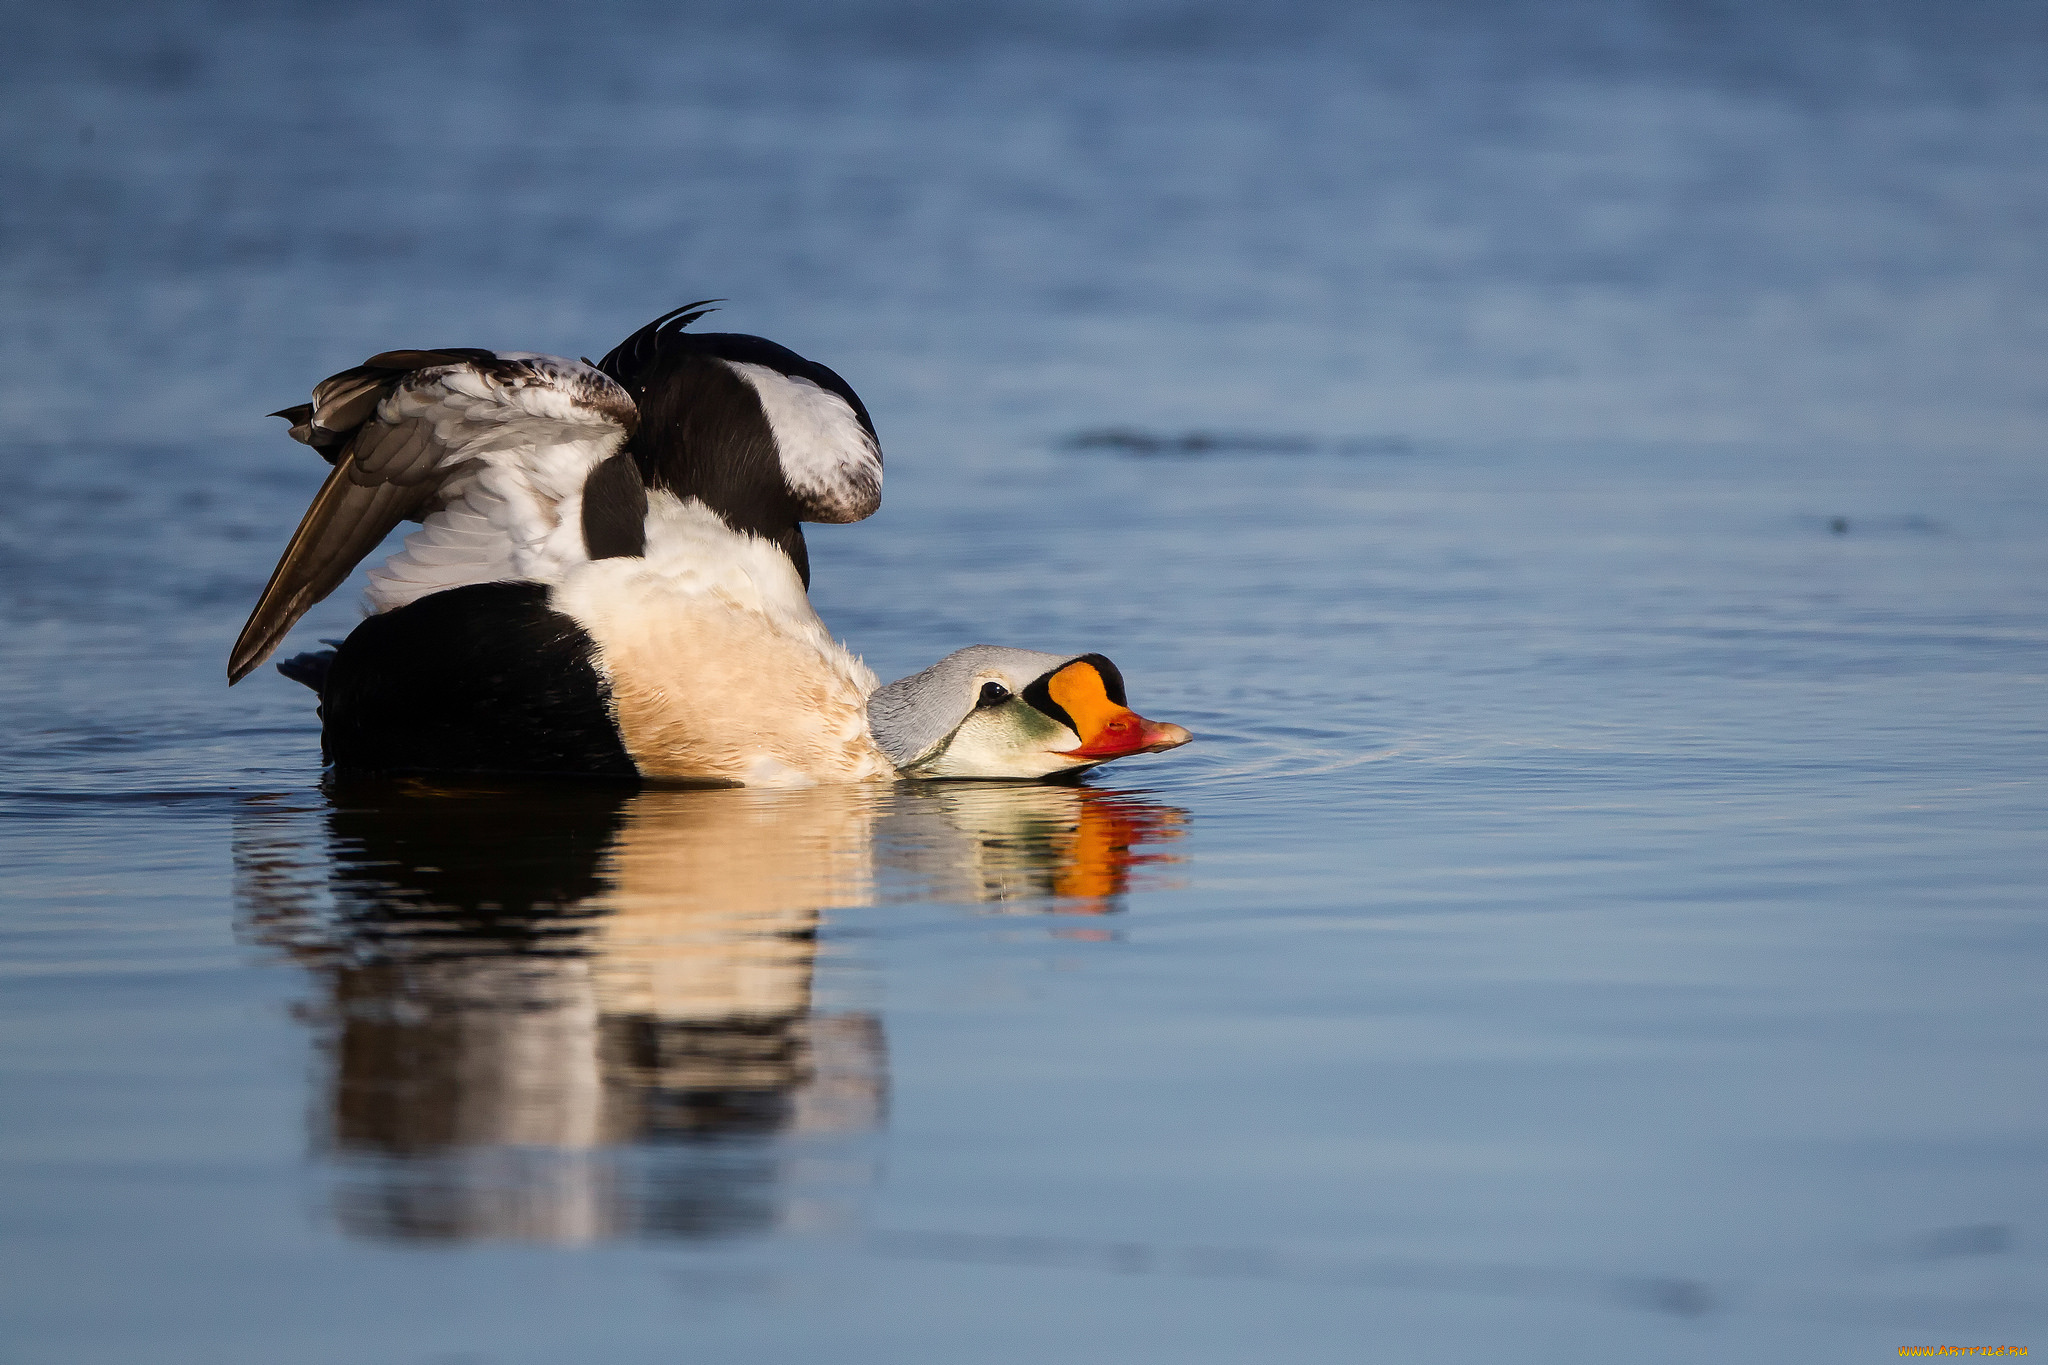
(610, 581)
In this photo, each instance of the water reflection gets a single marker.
(1066, 850)
(565, 1014)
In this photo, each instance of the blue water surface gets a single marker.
(1576, 467)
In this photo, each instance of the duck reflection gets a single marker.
(563, 1015)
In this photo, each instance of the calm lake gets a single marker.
(1576, 467)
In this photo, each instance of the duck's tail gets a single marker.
(310, 669)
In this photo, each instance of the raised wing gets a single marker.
(491, 451)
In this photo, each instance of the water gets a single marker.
(1574, 467)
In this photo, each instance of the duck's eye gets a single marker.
(993, 694)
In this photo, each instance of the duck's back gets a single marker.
(486, 679)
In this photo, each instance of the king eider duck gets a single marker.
(609, 581)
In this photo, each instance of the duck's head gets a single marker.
(985, 712)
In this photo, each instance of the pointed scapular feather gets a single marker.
(633, 354)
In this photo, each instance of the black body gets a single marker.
(483, 679)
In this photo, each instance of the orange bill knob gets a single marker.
(1107, 728)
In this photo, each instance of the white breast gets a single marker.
(719, 669)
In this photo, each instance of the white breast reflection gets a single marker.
(565, 1015)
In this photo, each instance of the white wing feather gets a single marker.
(512, 508)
